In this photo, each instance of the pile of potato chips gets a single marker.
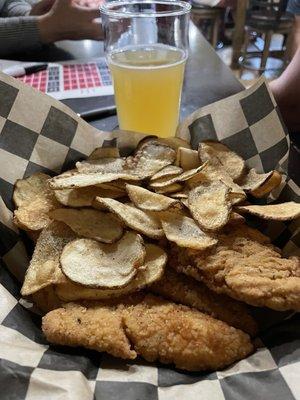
(103, 226)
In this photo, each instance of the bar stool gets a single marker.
(212, 14)
(266, 17)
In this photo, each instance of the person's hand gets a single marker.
(66, 20)
(42, 7)
(89, 3)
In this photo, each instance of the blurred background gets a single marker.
(253, 37)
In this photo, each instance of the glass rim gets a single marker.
(108, 9)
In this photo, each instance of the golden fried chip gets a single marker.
(175, 142)
(187, 158)
(83, 197)
(179, 195)
(149, 201)
(104, 152)
(151, 272)
(46, 299)
(278, 212)
(27, 189)
(268, 186)
(44, 268)
(185, 232)
(185, 202)
(150, 157)
(236, 219)
(231, 162)
(167, 181)
(210, 205)
(103, 165)
(77, 179)
(175, 187)
(89, 223)
(34, 199)
(133, 217)
(168, 171)
(94, 264)
(214, 171)
(252, 180)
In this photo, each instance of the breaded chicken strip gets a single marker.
(245, 266)
(172, 333)
(98, 327)
(157, 330)
(185, 290)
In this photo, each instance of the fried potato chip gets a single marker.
(175, 142)
(252, 180)
(185, 202)
(270, 184)
(185, 232)
(149, 201)
(231, 162)
(46, 299)
(168, 171)
(44, 268)
(150, 157)
(27, 189)
(179, 195)
(212, 172)
(103, 165)
(89, 223)
(78, 179)
(236, 219)
(167, 181)
(133, 217)
(187, 158)
(104, 152)
(151, 272)
(34, 199)
(94, 264)
(83, 197)
(278, 212)
(210, 205)
(175, 187)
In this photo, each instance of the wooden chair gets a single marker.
(213, 15)
(265, 17)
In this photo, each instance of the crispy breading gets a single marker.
(185, 290)
(157, 330)
(172, 333)
(98, 327)
(245, 266)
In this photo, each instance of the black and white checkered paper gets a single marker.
(38, 133)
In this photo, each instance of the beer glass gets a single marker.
(146, 48)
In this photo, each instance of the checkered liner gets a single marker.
(38, 133)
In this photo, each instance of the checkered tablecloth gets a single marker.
(40, 134)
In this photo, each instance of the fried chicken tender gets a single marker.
(153, 328)
(245, 266)
(185, 290)
(172, 333)
(97, 327)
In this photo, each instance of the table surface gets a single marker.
(207, 78)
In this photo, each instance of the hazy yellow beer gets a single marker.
(145, 43)
(147, 84)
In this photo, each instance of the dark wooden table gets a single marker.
(207, 78)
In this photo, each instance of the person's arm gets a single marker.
(64, 20)
(18, 34)
(286, 90)
(15, 8)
